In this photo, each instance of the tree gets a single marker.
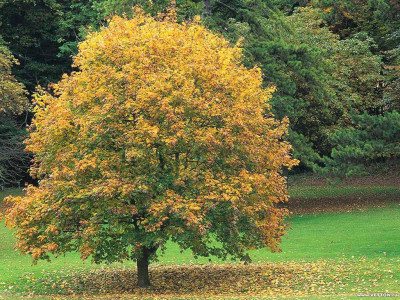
(350, 76)
(392, 74)
(379, 21)
(370, 142)
(161, 134)
(14, 160)
(320, 79)
(42, 35)
(13, 97)
(107, 8)
(207, 7)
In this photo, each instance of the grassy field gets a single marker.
(324, 254)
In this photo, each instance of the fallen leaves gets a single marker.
(343, 203)
(283, 279)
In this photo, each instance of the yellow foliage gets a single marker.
(161, 130)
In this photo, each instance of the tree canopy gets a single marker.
(160, 134)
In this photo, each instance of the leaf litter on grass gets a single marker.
(278, 279)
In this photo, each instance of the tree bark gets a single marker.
(143, 272)
(142, 263)
(206, 8)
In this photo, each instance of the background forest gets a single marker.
(335, 65)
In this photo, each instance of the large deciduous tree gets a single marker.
(161, 134)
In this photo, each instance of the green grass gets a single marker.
(372, 234)
(10, 192)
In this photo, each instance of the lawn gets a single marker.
(324, 254)
(373, 233)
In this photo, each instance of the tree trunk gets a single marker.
(142, 263)
(206, 8)
(143, 272)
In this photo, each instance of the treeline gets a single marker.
(335, 65)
